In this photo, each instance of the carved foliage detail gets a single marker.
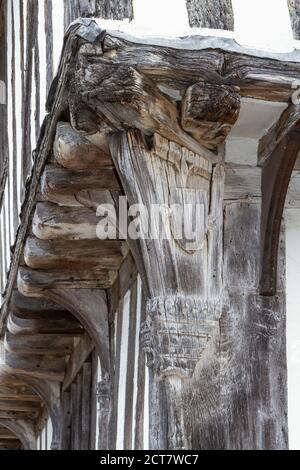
(175, 334)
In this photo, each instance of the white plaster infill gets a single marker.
(255, 119)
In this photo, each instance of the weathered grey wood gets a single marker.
(43, 322)
(66, 425)
(80, 354)
(211, 14)
(140, 405)
(89, 306)
(125, 98)
(74, 408)
(288, 120)
(13, 444)
(129, 425)
(31, 280)
(94, 403)
(294, 9)
(177, 68)
(48, 13)
(127, 275)
(17, 392)
(78, 415)
(52, 345)
(45, 254)
(61, 185)
(52, 222)
(86, 406)
(51, 368)
(208, 111)
(24, 430)
(50, 393)
(108, 9)
(12, 405)
(173, 271)
(74, 151)
(276, 175)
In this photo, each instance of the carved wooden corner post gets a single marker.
(166, 162)
(182, 275)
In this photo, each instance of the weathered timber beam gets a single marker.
(127, 99)
(52, 222)
(34, 307)
(50, 393)
(13, 444)
(276, 174)
(63, 186)
(89, 306)
(80, 354)
(23, 429)
(49, 368)
(208, 112)
(6, 434)
(211, 59)
(65, 324)
(63, 279)
(289, 119)
(17, 392)
(52, 345)
(18, 405)
(61, 179)
(79, 254)
(76, 152)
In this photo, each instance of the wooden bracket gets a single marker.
(276, 175)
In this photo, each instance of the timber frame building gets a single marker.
(143, 343)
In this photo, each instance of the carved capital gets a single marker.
(176, 333)
(104, 395)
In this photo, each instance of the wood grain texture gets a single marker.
(211, 14)
(73, 151)
(38, 344)
(208, 112)
(60, 254)
(294, 9)
(288, 120)
(276, 175)
(63, 186)
(51, 222)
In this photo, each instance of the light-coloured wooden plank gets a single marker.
(80, 254)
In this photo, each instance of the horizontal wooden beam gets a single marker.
(34, 308)
(51, 222)
(44, 367)
(18, 405)
(215, 60)
(53, 345)
(74, 151)
(60, 185)
(125, 99)
(31, 280)
(18, 325)
(79, 254)
(17, 392)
